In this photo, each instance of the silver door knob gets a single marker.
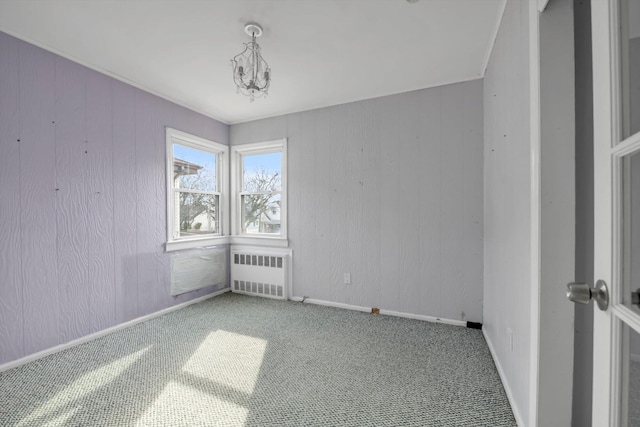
(583, 294)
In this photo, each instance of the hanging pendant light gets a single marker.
(251, 73)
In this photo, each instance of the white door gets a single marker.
(616, 97)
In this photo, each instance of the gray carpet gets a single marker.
(245, 361)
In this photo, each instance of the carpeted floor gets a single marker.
(244, 361)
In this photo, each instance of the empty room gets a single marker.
(320, 213)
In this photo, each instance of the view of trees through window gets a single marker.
(197, 199)
(261, 193)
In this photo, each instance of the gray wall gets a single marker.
(82, 199)
(557, 213)
(507, 206)
(583, 337)
(389, 190)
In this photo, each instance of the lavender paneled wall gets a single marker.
(11, 327)
(82, 199)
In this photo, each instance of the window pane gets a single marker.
(630, 67)
(262, 172)
(261, 213)
(630, 251)
(194, 169)
(198, 214)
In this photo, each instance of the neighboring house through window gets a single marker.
(198, 201)
(196, 190)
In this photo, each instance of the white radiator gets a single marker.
(260, 271)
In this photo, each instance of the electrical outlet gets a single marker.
(347, 278)
(510, 339)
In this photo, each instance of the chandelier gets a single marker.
(251, 73)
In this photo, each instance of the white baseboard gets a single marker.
(384, 312)
(424, 318)
(91, 337)
(332, 304)
(505, 384)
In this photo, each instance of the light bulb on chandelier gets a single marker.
(251, 73)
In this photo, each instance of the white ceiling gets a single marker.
(321, 52)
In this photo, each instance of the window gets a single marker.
(196, 190)
(259, 181)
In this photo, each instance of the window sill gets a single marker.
(178, 245)
(279, 242)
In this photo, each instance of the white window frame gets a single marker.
(221, 151)
(237, 154)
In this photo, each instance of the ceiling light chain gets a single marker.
(251, 73)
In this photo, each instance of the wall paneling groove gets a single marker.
(82, 199)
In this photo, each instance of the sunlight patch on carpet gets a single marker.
(230, 359)
(86, 384)
(179, 404)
